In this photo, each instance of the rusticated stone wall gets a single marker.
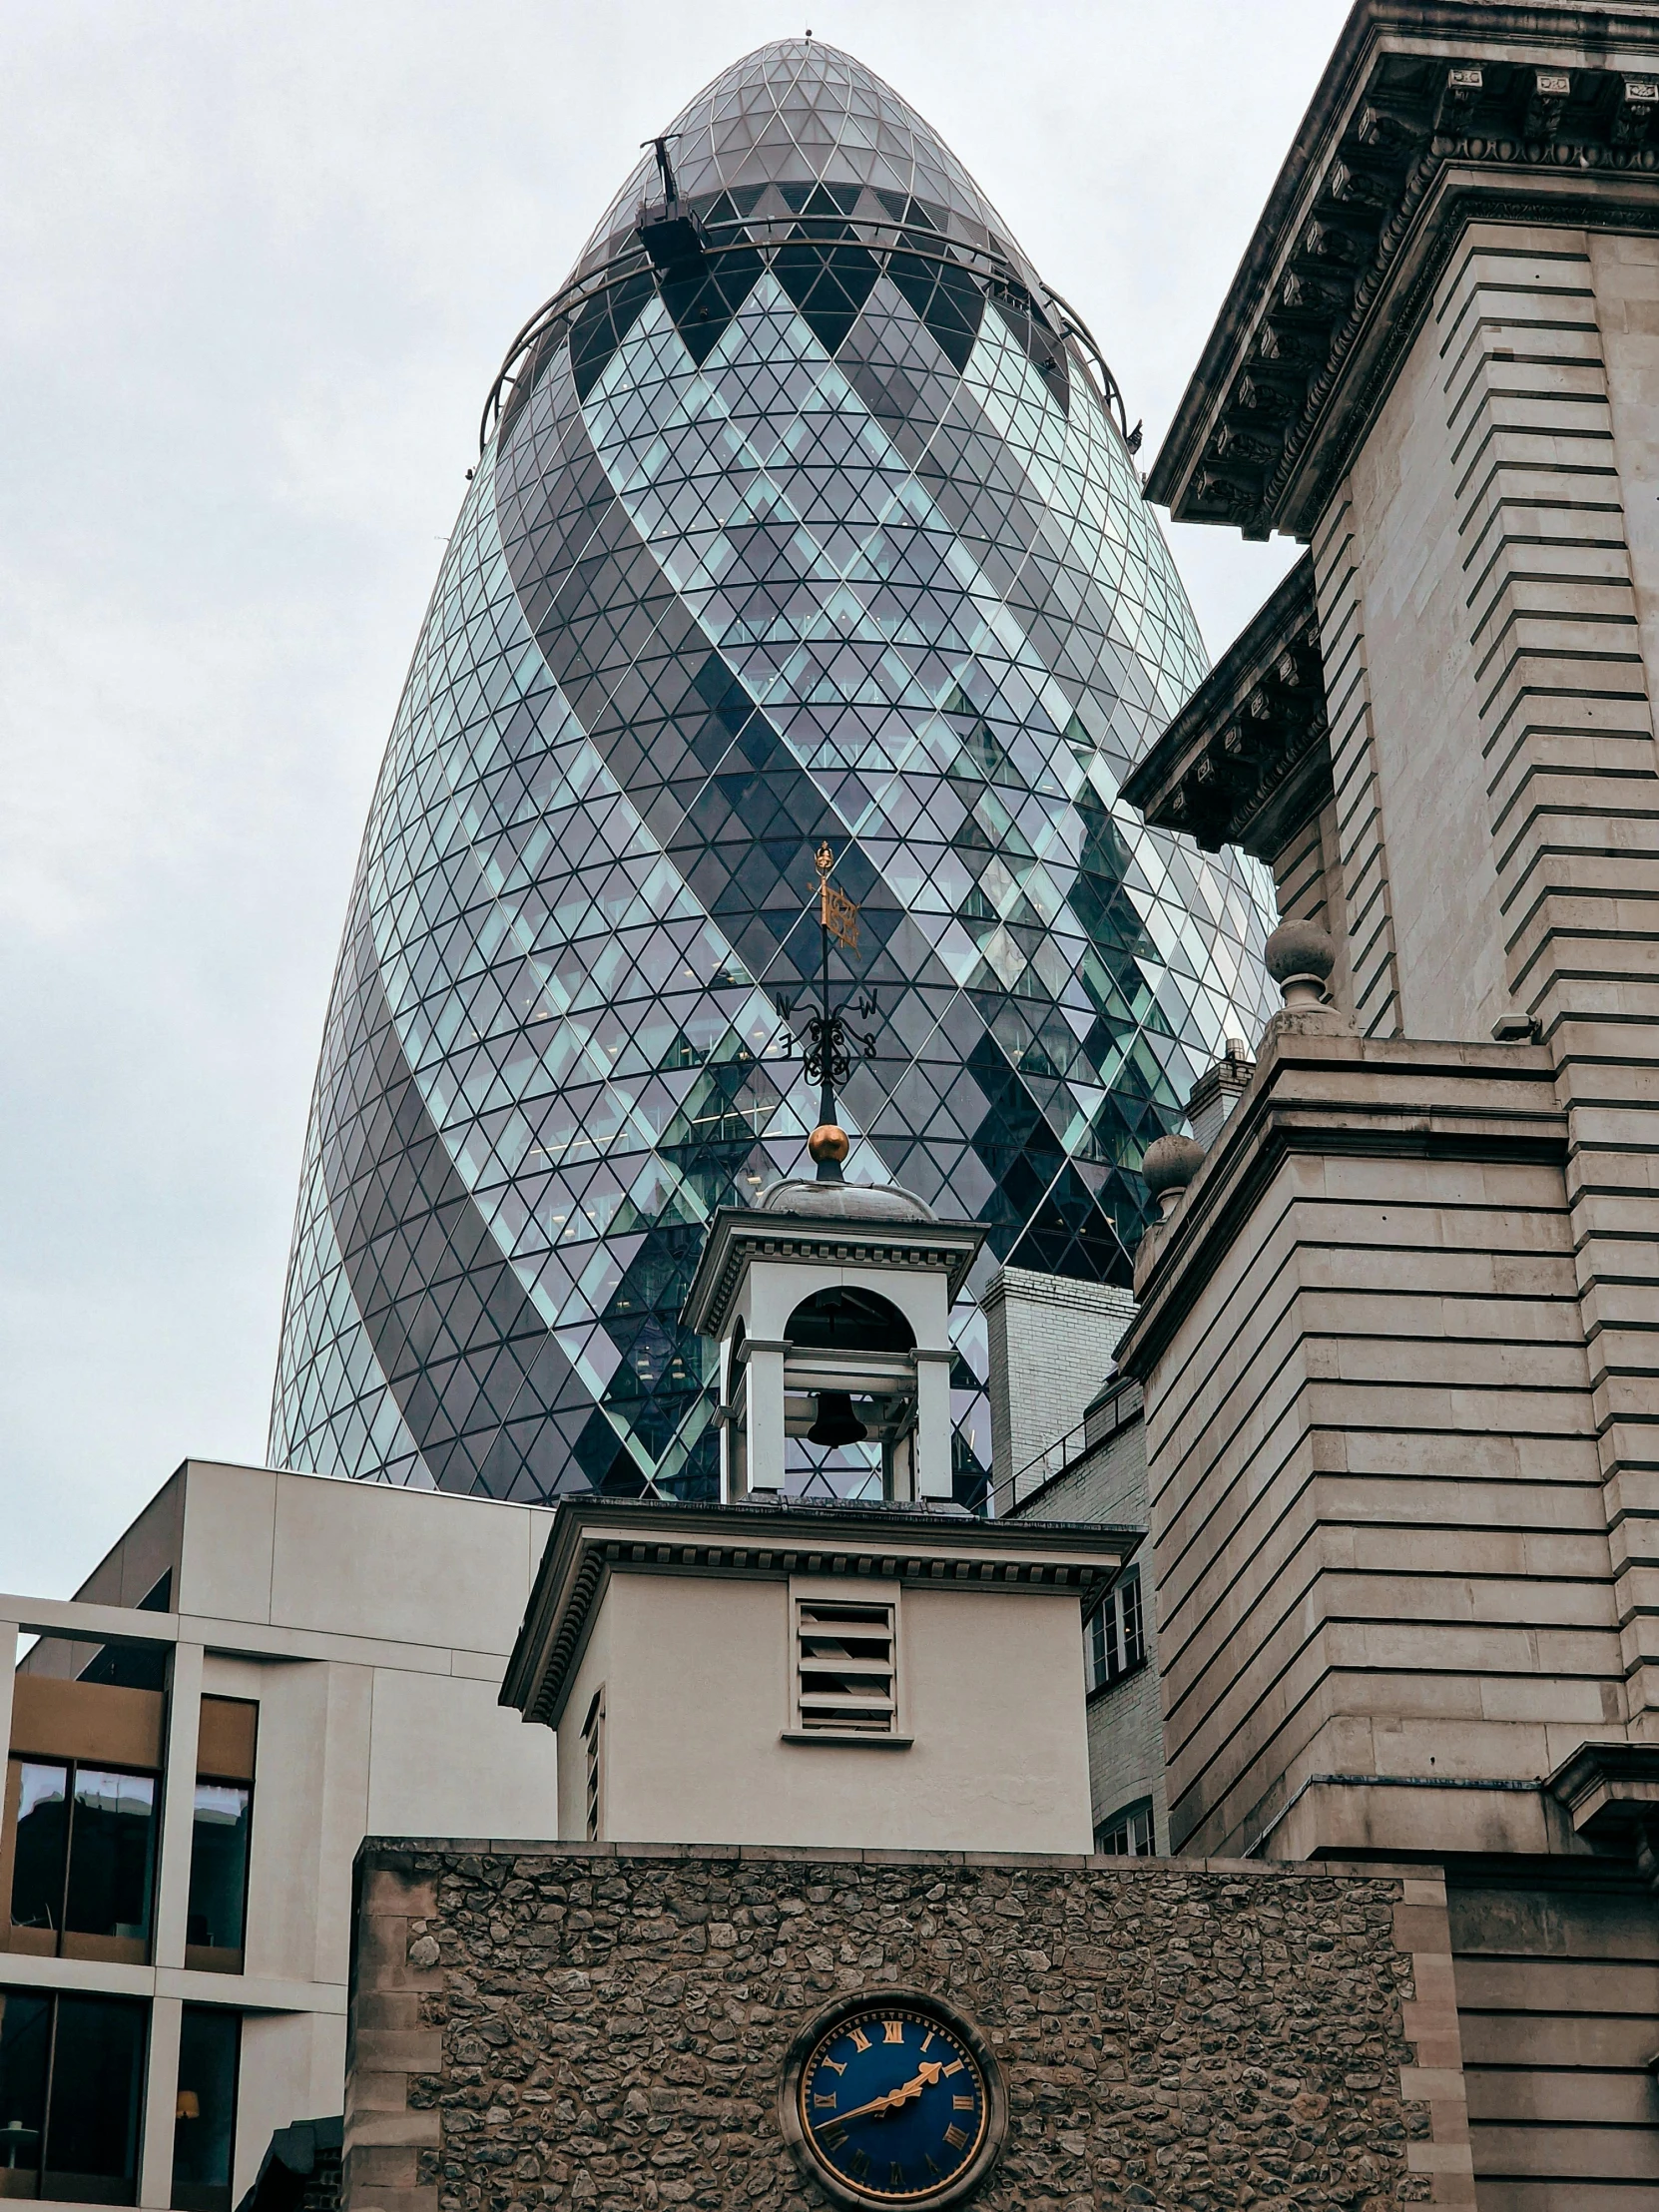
(602, 2027)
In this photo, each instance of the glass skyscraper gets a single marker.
(805, 512)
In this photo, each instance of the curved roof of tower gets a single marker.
(800, 113)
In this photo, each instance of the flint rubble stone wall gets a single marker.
(600, 2028)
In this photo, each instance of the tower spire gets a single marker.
(827, 1059)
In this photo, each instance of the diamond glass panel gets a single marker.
(822, 531)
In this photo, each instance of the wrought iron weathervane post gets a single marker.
(827, 1055)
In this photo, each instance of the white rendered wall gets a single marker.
(696, 1672)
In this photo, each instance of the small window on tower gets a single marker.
(1128, 1833)
(593, 1746)
(1114, 1640)
(846, 1665)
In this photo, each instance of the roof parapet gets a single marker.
(1427, 111)
(1247, 759)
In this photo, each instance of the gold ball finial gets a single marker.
(829, 1142)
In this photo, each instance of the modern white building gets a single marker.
(265, 1669)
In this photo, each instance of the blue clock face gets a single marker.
(894, 2104)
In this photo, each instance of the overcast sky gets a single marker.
(257, 266)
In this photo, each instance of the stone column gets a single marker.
(932, 1435)
(184, 1720)
(161, 2102)
(8, 1669)
(390, 2149)
(766, 1415)
(1369, 965)
(1567, 735)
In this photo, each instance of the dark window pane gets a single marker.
(205, 2129)
(1134, 1646)
(24, 2021)
(93, 2127)
(111, 1853)
(1129, 1833)
(42, 1829)
(219, 1864)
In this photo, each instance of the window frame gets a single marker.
(593, 1768)
(87, 1945)
(137, 2008)
(224, 1958)
(1108, 1627)
(1127, 1822)
(833, 1592)
(195, 2196)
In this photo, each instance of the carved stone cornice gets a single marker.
(738, 1236)
(1607, 1788)
(866, 1545)
(1247, 759)
(1430, 113)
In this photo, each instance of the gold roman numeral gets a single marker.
(833, 2137)
(928, 2161)
(861, 2041)
(955, 2136)
(957, 2104)
(836, 2065)
(956, 2066)
(895, 2175)
(859, 2164)
(892, 2031)
(926, 2040)
(825, 2103)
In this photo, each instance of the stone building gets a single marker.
(585, 2025)
(1396, 1333)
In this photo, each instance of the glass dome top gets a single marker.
(795, 112)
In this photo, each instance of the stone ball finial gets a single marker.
(1299, 956)
(1168, 1167)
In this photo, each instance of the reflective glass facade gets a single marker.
(802, 519)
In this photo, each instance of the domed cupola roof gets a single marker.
(797, 113)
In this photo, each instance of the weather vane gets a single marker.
(827, 1055)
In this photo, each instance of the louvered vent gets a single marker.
(847, 1660)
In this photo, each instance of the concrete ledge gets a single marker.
(390, 1853)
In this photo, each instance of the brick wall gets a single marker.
(1051, 1341)
(594, 2026)
(1126, 1717)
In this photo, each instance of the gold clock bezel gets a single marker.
(836, 2186)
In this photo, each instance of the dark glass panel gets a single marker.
(136, 1666)
(219, 1864)
(602, 325)
(92, 2129)
(42, 1844)
(25, 2045)
(947, 298)
(111, 1853)
(204, 2129)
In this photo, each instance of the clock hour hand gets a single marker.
(930, 2070)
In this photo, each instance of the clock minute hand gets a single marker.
(931, 2068)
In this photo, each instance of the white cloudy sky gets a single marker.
(259, 260)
